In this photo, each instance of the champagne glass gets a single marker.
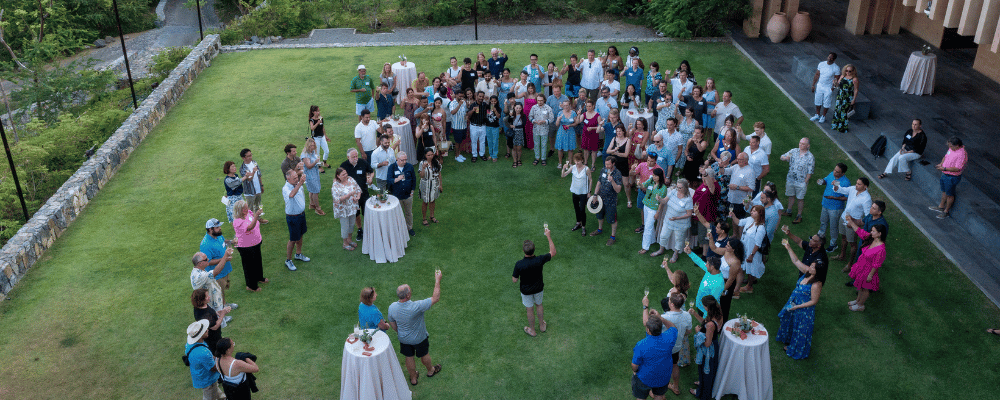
(690, 304)
(784, 228)
(645, 292)
(545, 226)
(784, 242)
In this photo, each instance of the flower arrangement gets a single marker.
(925, 49)
(380, 194)
(744, 326)
(366, 336)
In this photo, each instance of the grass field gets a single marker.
(102, 314)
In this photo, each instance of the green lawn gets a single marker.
(102, 314)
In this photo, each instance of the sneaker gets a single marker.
(849, 283)
(943, 215)
(559, 166)
(411, 232)
(227, 319)
(822, 119)
(233, 306)
(290, 265)
(814, 117)
(935, 208)
(359, 234)
(857, 308)
(302, 257)
(460, 159)
(832, 248)
(852, 302)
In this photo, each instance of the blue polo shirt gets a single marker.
(202, 362)
(834, 204)
(633, 78)
(215, 248)
(653, 356)
(496, 66)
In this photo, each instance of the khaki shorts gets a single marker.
(530, 300)
(224, 282)
(848, 234)
(798, 191)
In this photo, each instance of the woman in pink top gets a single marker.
(865, 270)
(951, 168)
(248, 244)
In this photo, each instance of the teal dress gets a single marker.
(797, 326)
(566, 138)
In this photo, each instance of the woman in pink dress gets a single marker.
(529, 101)
(590, 141)
(865, 270)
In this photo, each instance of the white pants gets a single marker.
(477, 134)
(649, 227)
(672, 238)
(322, 145)
(902, 160)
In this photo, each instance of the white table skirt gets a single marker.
(919, 75)
(377, 376)
(630, 116)
(385, 235)
(404, 78)
(404, 132)
(744, 366)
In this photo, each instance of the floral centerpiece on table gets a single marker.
(744, 326)
(380, 194)
(925, 49)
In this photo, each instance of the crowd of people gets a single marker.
(702, 193)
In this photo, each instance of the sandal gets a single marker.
(434, 220)
(514, 165)
(694, 392)
(251, 290)
(542, 325)
(675, 389)
(909, 177)
(426, 223)
(993, 331)
(544, 163)
(348, 248)
(640, 229)
(437, 368)
(883, 175)
(535, 162)
(630, 204)
(527, 331)
(415, 381)
(319, 211)
(507, 156)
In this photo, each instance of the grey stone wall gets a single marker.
(36, 236)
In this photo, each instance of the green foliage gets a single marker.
(167, 60)
(623, 7)
(56, 89)
(69, 25)
(278, 18)
(685, 19)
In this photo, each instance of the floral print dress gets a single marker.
(845, 95)
(797, 325)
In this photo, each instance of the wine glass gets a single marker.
(545, 226)
(645, 292)
(690, 304)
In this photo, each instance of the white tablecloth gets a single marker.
(404, 132)
(630, 116)
(404, 77)
(377, 376)
(744, 366)
(385, 234)
(919, 75)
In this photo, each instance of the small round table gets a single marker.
(744, 365)
(919, 75)
(385, 234)
(374, 374)
(630, 116)
(404, 76)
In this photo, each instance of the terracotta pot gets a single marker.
(801, 26)
(777, 27)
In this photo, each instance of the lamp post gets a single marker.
(475, 16)
(201, 33)
(128, 69)
(13, 172)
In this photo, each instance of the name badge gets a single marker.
(395, 172)
(360, 172)
(604, 175)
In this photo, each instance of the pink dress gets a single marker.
(591, 138)
(870, 259)
(529, 137)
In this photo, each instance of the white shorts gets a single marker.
(798, 191)
(530, 300)
(823, 97)
(359, 107)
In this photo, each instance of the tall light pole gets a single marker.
(128, 69)
(200, 31)
(13, 172)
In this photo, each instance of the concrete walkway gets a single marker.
(963, 104)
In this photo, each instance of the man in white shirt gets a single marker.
(725, 108)
(859, 204)
(827, 73)
(605, 103)
(741, 183)
(765, 141)
(801, 164)
(609, 82)
(591, 70)
(381, 158)
(681, 87)
(758, 161)
(487, 85)
(295, 215)
(459, 123)
(364, 135)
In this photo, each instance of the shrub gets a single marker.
(167, 60)
(695, 18)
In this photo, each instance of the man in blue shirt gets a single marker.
(386, 104)
(202, 363)
(833, 204)
(497, 63)
(402, 184)
(214, 246)
(652, 360)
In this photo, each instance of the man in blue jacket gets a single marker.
(403, 181)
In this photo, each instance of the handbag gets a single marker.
(850, 111)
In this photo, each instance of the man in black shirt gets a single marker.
(477, 126)
(362, 174)
(813, 248)
(469, 75)
(529, 270)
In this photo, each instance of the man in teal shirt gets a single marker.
(364, 90)
(214, 246)
(200, 360)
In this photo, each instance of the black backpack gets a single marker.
(184, 358)
(878, 148)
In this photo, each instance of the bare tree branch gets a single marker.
(4, 42)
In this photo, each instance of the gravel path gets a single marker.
(556, 32)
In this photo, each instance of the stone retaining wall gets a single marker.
(36, 236)
(243, 47)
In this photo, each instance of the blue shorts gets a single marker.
(360, 107)
(948, 183)
(572, 90)
(296, 226)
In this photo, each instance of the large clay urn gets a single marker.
(777, 27)
(801, 26)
